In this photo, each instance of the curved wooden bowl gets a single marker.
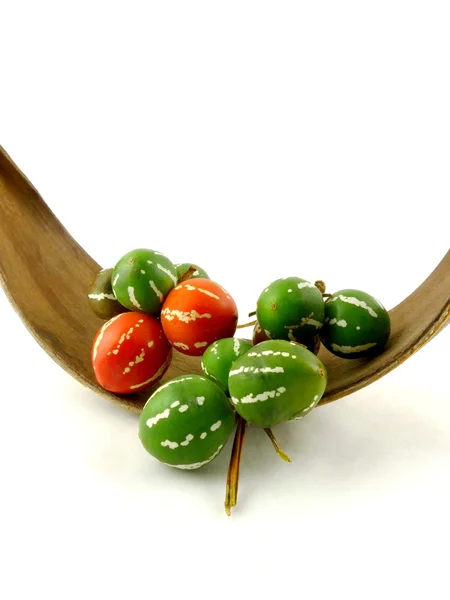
(46, 275)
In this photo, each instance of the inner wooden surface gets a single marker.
(46, 275)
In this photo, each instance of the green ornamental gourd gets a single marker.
(142, 279)
(275, 377)
(291, 309)
(276, 381)
(199, 273)
(218, 359)
(186, 422)
(101, 297)
(356, 324)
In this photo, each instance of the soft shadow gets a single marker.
(348, 444)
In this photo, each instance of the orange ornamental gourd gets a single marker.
(196, 313)
(130, 353)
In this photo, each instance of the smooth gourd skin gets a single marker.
(356, 324)
(197, 313)
(130, 353)
(290, 309)
(101, 296)
(142, 279)
(219, 358)
(186, 422)
(276, 381)
(198, 273)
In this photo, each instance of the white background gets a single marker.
(259, 139)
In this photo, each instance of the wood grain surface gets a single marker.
(46, 275)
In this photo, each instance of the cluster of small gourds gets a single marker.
(153, 306)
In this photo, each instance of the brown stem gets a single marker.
(276, 445)
(234, 466)
(252, 314)
(320, 285)
(188, 274)
(246, 325)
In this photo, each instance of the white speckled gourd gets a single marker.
(101, 297)
(199, 273)
(142, 279)
(186, 422)
(291, 309)
(356, 324)
(276, 381)
(219, 358)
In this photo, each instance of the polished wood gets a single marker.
(46, 275)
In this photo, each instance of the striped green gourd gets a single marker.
(186, 422)
(218, 359)
(291, 309)
(199, 273)
(356, 324)
(276, 381)
(142, 279)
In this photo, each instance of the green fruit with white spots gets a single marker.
(290, 309)
(276, 381)
(186, 422)
(142, 279)
(101, 296)
(356, 324)
(218, 359)
(199, 273)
